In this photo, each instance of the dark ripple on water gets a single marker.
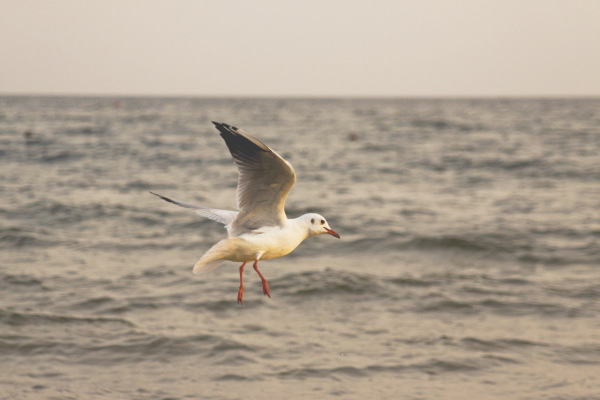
(104, 340)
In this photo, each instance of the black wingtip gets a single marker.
(242, 145)
(224, 128)
(222, 124)
(157, 195)
(164, 198)
(160, 196)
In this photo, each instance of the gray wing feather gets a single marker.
(264, 182)
(225, 217)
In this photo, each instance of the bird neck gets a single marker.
(302, 226)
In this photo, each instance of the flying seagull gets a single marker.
(260, 230)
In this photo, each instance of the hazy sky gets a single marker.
(301, 47)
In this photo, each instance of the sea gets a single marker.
(468, 265)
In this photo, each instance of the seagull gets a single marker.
(260, 230)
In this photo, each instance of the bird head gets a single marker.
(317, 225)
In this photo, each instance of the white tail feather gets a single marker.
(205, 267)
(214, 257)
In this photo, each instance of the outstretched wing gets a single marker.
(225, 217)
(264, 182)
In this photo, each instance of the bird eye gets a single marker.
(322, 221)
(312, 220)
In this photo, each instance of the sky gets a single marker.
(342, 48)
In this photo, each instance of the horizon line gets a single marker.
(300, 96)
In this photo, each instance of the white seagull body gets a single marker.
(260, 230)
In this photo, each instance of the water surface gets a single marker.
(468, 264)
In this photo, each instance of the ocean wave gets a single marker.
(465, 243)
(235, 378)
(60, 156)
(439, 124)
(220, 305)
(498, 306)
(58, 214)
(532, 167)
(323, 373)
(492, 243)
(581, 291)
(313, 284)
(579, 354)
(13, 318)
(525, 247)
(15, 237)
(588, 254)
(116, 342)
(10, 281)
(503, 344)
(435, 293)
(433, 366)
(93, 130)
(54, 211)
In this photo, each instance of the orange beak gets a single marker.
(332, 232)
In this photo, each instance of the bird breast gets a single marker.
(269, 242)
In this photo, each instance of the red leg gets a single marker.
(241, 291)
(266, 290)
